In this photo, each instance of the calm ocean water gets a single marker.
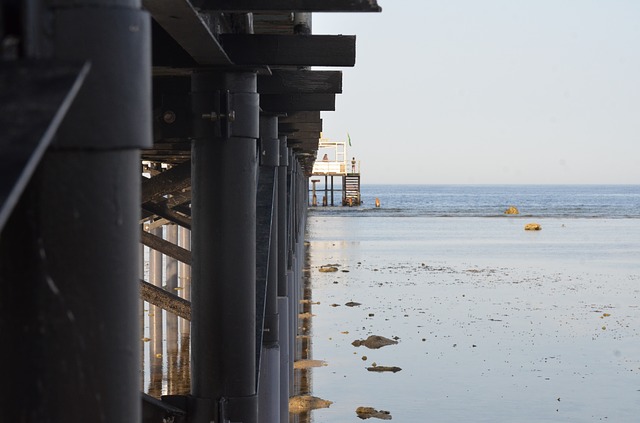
(568, 201)
(495, 323)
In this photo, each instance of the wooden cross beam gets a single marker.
(290, 50)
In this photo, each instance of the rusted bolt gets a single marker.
(213, 116)
(169, 116)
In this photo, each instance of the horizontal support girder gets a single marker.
(165, 247)
(274, 6)
(290, 50)
(175, 179)
(296, 128)
(300, 81)
(299, 117)
(297, 102)
(185, 25)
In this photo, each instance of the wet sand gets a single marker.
(477, 342)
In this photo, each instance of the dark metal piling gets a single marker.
(69, 256)
(268, 399)
(224, 165)
(286, 363)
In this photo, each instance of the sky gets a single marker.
(491, 91)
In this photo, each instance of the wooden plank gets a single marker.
(290, 50)
(301, 135)
(165, 212)
(297, 102)
(165, 300)
(307, 145)
(292, 128)
(175, 179)
(295, 117)
(165, 247)
(185, 25)
(274, 6)
(300, 81)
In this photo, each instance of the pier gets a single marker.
(155, 159)
(335, 163)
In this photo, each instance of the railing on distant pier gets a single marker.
(329, 168)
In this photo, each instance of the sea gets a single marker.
(493, 323)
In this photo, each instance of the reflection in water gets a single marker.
(303, 384)
(166, 366)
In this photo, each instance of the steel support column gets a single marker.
(269, 392)
(286, 332)
(69, 256)
(224, 164)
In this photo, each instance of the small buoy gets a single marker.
(377, 202)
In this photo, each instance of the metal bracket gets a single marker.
(216, 121)
(222, 113)
(224, 105)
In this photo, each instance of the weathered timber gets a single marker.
(297, 102)
(165, 247)
(293, 50)
(300, 81)
(299, 117)
(258, 6)
(184, 24)
(165, 212)
(165, 300)
(304, 135)
(303, 144)
(175, 179)
(290, 128)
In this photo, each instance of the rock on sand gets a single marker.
(381, 369)
(374, 342)
(327, 268)
(368, 412)
(532, 227)
(302, 403)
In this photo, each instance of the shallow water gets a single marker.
(495, 324)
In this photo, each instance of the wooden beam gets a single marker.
(260, 6)
(165, 212)
(304, 135)
(296, 117)
(300, 81)
(165, 300)
(185, 25)
(165, 247)
(297, 102)
(175, 179)
(290, 50)
(307, 145)
(294, 128)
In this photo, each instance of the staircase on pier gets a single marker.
(335, 163)
(351, 189)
